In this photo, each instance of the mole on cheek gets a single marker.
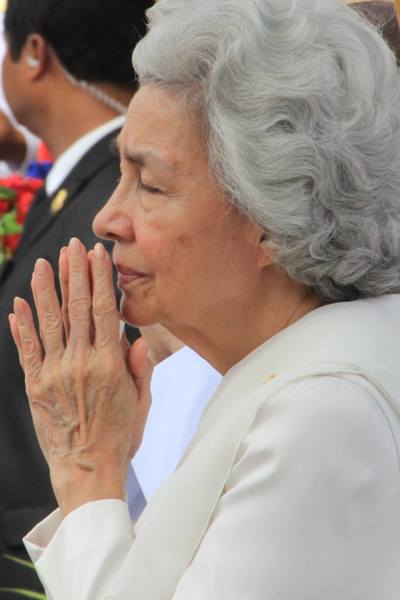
(185, 241)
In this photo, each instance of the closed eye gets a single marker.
(149, 189)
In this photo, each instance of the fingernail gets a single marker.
(41, 267)
(63, 250)
(74, 247)
(99, 252)
(18, 306)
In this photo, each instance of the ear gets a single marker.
(265, 254)
(36, 56)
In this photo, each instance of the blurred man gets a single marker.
(68, 78)
(17, 145)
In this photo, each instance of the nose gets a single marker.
(113, 222)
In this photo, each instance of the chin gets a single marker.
(137, 315)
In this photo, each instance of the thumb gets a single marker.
(140, 366)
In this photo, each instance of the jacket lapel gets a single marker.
(41, 216)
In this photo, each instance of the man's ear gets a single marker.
(36, 55)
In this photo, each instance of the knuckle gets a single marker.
(78, 269)
(34, 390)
(48, 384)
(113, 371)
(50, 322)
(103, 340)
(79, 307)
(29, 347)
(24, 325)
(77, 369)
(104, 304)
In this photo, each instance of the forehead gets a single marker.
(157, 123)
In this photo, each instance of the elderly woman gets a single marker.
(258, 219)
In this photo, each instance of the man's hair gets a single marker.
(93, 39)
(383, 16)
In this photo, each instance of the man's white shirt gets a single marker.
(70, 158)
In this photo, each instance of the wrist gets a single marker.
(77, 485)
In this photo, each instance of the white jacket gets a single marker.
(290, 489)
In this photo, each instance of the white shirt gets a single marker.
(70, 158)
(181, 387)
(309, 508)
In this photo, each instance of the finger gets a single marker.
(48, 308)
(30, 348)
(34, 289)
(80, 299)
(92, 328)
(105, 312)
(140, 367)
(64, 283)
(17, 338)
(125, 346)
(34, 292)
(141, 370)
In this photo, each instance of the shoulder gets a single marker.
(310, 508)
(324, 425)
(334, 406)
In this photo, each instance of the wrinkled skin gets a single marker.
(89, 396)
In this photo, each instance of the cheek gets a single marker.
(171, 263)
(165, 250)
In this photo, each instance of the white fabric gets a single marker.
(181, 387)
(320, 470)
(70, 158)
(113, 524)
(289, 490)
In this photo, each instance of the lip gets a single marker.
(127, 275)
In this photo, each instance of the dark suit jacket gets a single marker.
(26, 496)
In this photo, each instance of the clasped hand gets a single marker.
(90, 392)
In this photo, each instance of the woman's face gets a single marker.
(183, 255)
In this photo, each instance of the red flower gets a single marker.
(11, 241)
(25, 190)
(23, 203)
(4, 206)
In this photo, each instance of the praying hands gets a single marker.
(89, 392)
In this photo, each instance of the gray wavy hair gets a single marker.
(301, 111)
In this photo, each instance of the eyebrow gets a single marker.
(136, 158)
